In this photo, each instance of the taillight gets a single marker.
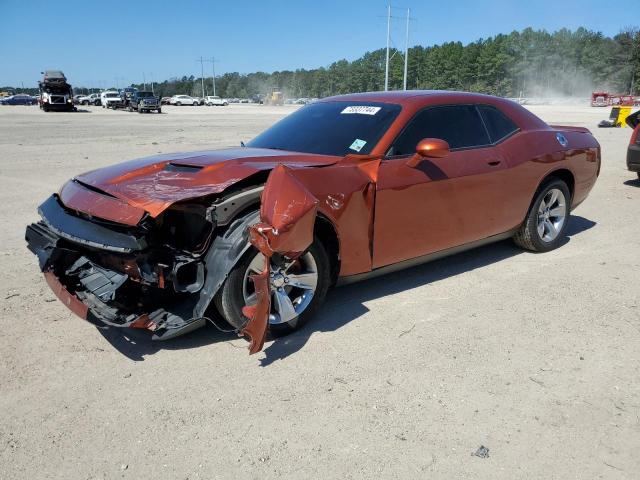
(635, 136)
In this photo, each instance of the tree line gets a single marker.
(526, 63)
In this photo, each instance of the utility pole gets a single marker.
(213, 61)
(386, 67)
(202, 74)
(144, 81)
(213, 76)
(406, 52)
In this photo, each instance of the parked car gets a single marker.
(215, 101)
(183, 100)
(159, 242)
(92, 99)
(76, 99)
(19, 99)
(110, 99)
(144, 102)
(633, 153)
(165, 101)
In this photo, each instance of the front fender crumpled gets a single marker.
(287, 217)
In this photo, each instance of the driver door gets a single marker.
(442, 202)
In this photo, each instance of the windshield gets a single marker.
(330, 128)
(145, 94)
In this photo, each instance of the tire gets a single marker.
(553, 226)
(178, 104)
(159, 110)
(230, 298)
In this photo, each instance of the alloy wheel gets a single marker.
(552, 213)
(292, 286)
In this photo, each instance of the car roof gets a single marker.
(408, 96)
(416, 99)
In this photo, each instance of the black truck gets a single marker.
(144, 102)
(55, 92)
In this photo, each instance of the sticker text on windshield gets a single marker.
(361, 109)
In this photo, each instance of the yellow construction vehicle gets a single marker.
(616, 118)
(276, 97)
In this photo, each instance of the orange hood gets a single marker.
(124, 192)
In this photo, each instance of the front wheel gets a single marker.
(298, 288)
(546, 222)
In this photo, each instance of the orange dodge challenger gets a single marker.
(342, 189)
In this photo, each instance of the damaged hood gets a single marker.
(124, 192)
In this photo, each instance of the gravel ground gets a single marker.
(535, 357)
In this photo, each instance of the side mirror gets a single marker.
(428, 148)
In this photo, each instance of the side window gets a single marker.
(498, 124)
(459, 125)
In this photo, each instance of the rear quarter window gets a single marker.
(498, 124)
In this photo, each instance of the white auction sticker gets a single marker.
(361, 109)
(357, 144)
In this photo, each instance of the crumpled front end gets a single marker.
(151, 275)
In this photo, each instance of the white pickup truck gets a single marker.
(110, 99)
(215, 101)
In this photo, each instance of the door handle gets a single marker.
(495, 163)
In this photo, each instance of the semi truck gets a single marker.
(55, 92)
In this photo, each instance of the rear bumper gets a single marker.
(633, 158)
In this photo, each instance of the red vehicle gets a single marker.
(606, 99)
(342, 189)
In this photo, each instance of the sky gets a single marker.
(118, 42)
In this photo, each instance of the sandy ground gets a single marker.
(536, 357)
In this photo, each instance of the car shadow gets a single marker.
(343, 304)
(633, 183)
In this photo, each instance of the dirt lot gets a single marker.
(536, 357)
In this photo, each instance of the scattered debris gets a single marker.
(482, 452)
(11, 296)
(124, 466)
(537, 381)
(407, 331)
(127, 375)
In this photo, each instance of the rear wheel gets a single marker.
(178, 103)
(546, 222)
(298, 288)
